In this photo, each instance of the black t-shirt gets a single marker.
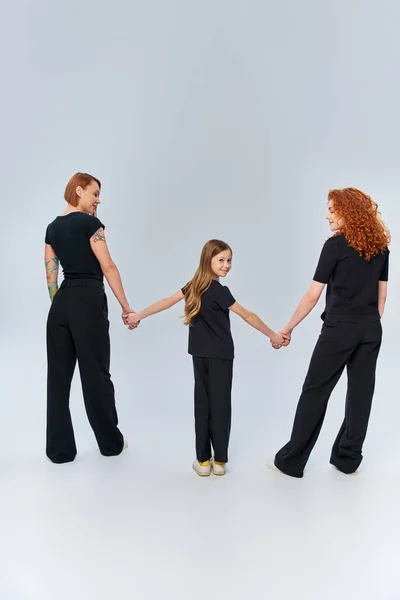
(69, 236)
(352, 281)
(210, 330)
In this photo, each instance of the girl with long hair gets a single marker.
(207, 306)
(354, 265)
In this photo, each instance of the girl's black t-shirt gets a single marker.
(352, 281)
(210, 330)
(69, 236)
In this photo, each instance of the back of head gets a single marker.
(362, 226)
(78, 180)
(202, 278)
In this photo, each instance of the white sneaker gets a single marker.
(218, 470)
(202, 471)
(125, 445)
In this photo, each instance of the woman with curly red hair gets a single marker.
(354, 265)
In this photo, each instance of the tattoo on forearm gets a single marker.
(52, 266)
(53, 289)
(52, 276)
(99, 236)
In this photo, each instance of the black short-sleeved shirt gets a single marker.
(352, 281)
(210, 330)
(69, 236)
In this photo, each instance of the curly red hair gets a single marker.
(362, 226)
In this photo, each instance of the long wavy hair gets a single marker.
(202, 279)
(362, 226)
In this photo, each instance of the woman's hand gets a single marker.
(287, 335)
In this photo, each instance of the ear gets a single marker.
(79, 191)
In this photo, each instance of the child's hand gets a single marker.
(127, 318)
(132, 319)
(286, 339)
(277, 340)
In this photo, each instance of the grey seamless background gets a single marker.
(227, 119)
(213, 119)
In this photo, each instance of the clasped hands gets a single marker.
(282, 338)
(130, 319)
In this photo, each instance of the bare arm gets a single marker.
(255, 321)
(307, 303)
(100, 249)
(382, 294)
(157, 307)
(52, 265)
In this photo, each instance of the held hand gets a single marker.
(127, 319)
(277, 341)
(132, 319)
(286, 335)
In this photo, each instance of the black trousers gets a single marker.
(212, 407)
(345, 341)
(78, 329)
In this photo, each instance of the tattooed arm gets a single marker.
(51, 263)
(100, 249)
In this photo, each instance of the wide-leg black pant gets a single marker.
(212, 407)
(345, 341)
(78, 329)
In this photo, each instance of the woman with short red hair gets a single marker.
(77, 325)
(354, 264)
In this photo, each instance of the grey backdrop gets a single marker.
(220, 119)
(227, 119)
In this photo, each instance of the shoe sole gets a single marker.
(271, 466)
(348, 474)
